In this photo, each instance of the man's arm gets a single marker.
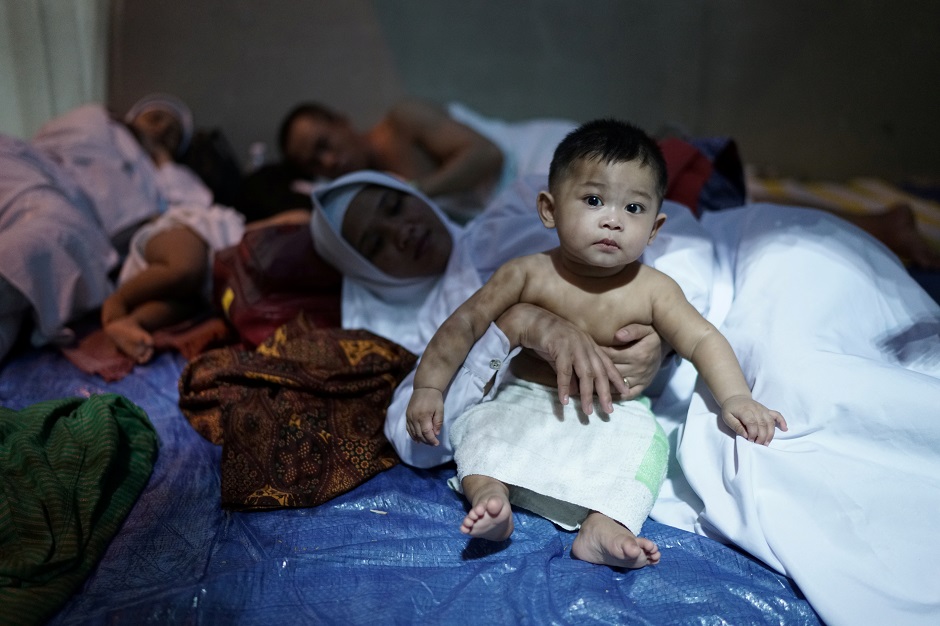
(466, 157)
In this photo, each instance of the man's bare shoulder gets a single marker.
(413, 114)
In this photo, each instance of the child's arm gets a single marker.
(450, 344)
(697, 340)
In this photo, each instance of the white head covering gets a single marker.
(172, 105)
(405, 310)
(329, 207)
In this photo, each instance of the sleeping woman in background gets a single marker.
(71, 199)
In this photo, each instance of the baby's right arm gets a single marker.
(451, 343)
(425, 415)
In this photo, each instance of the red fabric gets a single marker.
(269, 277)
(688, 171)
(95, 353)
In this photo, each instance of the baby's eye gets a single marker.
(634, 208)
(593, 201)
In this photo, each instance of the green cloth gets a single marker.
(70, 471)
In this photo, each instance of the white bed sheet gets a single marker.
(832, 331)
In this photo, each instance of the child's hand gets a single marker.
(751, 419)
(425, 415)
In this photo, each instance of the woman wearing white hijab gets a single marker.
(422, 266)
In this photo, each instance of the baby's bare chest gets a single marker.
(598, 314)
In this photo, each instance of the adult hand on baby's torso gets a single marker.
(638, 354)
(580, 366)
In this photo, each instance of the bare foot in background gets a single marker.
(603, 541)
(131, 339)
(897, 229)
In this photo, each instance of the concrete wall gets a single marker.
(830, 90)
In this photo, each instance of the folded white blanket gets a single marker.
(560, 462)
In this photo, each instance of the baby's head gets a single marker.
(609, 141)
(605, 190)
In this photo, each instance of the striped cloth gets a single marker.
(70, 471)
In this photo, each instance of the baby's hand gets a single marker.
(425, 415)
(751, 419)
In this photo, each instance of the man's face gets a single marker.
(320, 148)
(397, 232)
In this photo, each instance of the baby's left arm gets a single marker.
(751, 419)
(697, 340)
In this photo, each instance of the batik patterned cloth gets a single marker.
(299, 419)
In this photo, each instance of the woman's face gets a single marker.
(320, 148)
(160, 128)
(397, 232)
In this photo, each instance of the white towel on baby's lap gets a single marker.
(561, 463)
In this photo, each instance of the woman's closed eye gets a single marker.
(371, 245)
(395, 206)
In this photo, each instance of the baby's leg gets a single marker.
(603, 541)
(490, 515)
(166, 291)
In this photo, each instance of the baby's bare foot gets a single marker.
(490, 518)
(603, 541)
(131, 339)
(490, 515)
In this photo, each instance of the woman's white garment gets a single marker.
(832, 331)
(561, 463)
(218, 226)
(53, 250)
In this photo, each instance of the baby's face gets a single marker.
(606, 213)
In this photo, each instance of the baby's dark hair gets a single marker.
(611, 141)
(304, 109)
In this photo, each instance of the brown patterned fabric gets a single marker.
(299, 419)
